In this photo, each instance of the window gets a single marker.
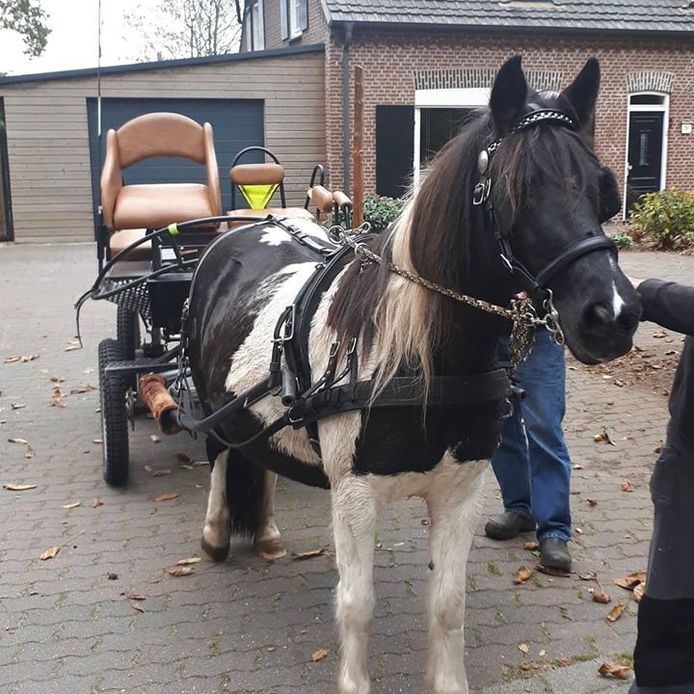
(293, 18)
(254, 31)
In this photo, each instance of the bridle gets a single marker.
(539, 282)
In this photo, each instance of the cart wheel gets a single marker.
(114, 420)
(127, 332)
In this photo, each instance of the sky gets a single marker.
(73, 41)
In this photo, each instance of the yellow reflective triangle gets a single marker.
(258, 195)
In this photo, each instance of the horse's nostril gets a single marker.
(598, 314)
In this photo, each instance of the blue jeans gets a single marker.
(532, 463)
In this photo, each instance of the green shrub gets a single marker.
(380, 210)
(623, 241)
(667, 218)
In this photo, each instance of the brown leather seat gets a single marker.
(152, 206)
(120, 240)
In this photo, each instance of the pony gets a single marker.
(549, 193)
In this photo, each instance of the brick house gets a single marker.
(428, 62)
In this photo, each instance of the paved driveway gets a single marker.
(67, 624)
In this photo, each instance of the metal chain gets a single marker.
(522, 313)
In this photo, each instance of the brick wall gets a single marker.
(391, 57)
(317, 31)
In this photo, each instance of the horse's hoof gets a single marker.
(270, 550)
(217, 554)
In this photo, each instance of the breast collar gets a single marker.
(482, 198)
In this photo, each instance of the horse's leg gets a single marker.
(454, 500)
(268, 541)
(216, 533)
(354, 513)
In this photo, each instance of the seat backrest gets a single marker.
(160, 135)
(257, 182)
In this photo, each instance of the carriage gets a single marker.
(149, 240)
(362, 363)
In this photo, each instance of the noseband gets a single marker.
(482, 197)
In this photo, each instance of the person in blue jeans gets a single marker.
(532, 463)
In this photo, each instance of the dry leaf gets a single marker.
(631, 581)
(542, 653)
(319, 655)
(591, 502)
(21, 442)
(188, 560)
(626, 485)
(200, 463)
(639, 590)
(522, 575)
(588, 576)
(23, 359)
(29, 452)
(601, 597)
(57, 398)
(577, 467)
(18, 405)
(12, 359)
(186, 467)
(300, 556)
(88, 371)
(75, 504)
(96, 503)
(155, 438)
(524, 648)
(135, 596)
(82, 389)
(620, 672)
(180, 570)
(167, 497)
(616, 612)
(56, 379)
(531, 545)
(18, 487)
(98, 441)
(160, 473)
(49, 553)
(137, 607)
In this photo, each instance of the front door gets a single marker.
(645, 159)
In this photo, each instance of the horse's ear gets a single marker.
(582, 94)
(509, 93)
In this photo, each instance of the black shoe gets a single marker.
(554, 554)
(507, 525)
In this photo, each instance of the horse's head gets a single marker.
(548, 196)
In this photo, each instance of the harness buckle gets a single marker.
(481, 192)
(287, 326)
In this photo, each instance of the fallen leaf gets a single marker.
(522, 575)
(319, 655)
(200, 463)
(82, 389)
(56, 379)
(601, 597)
(603, 436)
(137, 607)
(180, 570)
(29, 453)
(579, 531)
(639, 590)
(524, 648)
(167, 497)
(577, 467)
(616, 612)
(631, 581)
(57, 398)
(18, 487)
(12, 359)
(186, 467)
(591, 502)
(542, 653)
(75, 504)
(160, 473)
(21, 442)
(88, 371)
(135, 596)
(23, 359)
(98, 441)
(620, 672)
(155, 438)
(49, 553)
(626, 485)
(18, 405)
(96, 503)
(531, 546)
(588, 576)
(188, 560)
(300, 556)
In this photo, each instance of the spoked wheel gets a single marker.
(114, 415)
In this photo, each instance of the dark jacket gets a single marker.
(664, 654)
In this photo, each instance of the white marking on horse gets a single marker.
(274, 236)
(617, 301)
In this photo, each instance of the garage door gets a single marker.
(237, 123)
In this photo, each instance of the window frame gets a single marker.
(254, 35)
(293, 19)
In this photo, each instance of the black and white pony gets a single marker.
(549, 193)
